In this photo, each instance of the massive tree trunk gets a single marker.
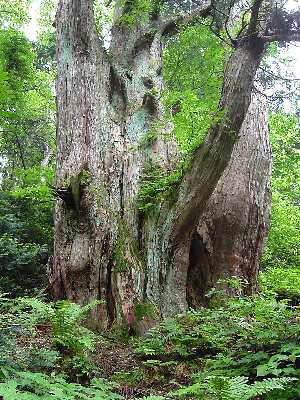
(105, 248)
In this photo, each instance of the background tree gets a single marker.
(27, 126)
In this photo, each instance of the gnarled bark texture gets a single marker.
(104, 247)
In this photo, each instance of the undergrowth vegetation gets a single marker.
(45, 352)
(237, 348)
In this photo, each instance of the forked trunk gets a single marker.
(105, 248)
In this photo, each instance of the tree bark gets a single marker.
(231, 231)
(104, 247)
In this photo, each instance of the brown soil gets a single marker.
(136, 378)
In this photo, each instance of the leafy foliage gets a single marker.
(31, 386)
(135, 10)
(158, 185)
(26, 142)
(27, 104)
(193, 66)
(237, 388)
(25, 230)
(64, 318)
(284, 239)
(283, 282)
(17, 342)
(14, 12)
(193, 70)
(253, 322)
(26, 371)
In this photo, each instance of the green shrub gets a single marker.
(21, 267)
(65, 320)
(252, 322)
(25, 232)
(31, 386)
(283, 244)
(18, 348)
(29, 370)
(283, 282)
(157, 185)
(61, 324)
(243, 338)
(237, 388)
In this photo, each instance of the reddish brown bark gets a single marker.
(230, 234)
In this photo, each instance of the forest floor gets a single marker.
(248, 342)
(136, 377)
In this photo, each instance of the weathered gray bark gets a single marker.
(104, 247)
(104, 109)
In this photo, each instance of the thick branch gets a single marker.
(254, 16)
(82, 66)
(169, 23)
(213, 156)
